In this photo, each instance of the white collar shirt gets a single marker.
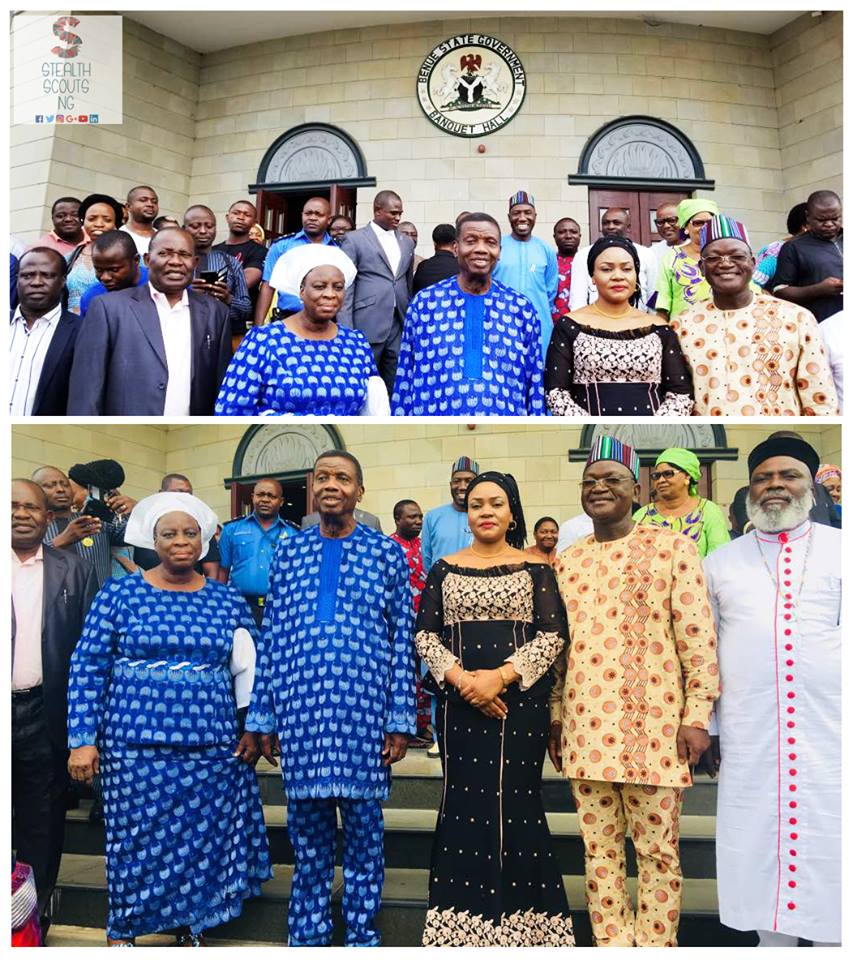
(27, 602)
(28, 348)
(388, 241)
(176, 328)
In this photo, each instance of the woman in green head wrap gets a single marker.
(680, 283)
(677, 504)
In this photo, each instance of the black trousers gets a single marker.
(386, 354)
(39, 779)
(257, 609)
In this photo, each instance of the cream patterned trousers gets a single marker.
(605, 812)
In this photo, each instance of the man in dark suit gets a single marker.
(51, 592)
(154, 350)
(443, 265)
(377, 300)
(43, 336)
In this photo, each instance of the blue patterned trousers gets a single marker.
(312, 827)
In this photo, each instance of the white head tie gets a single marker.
(290, 268)
(144, 516)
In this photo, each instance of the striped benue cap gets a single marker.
(521, 197)
(466, 464)
(609, 448)
(723, 228)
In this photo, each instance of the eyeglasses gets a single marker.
(738, 259)
(663, 474)
(700, 223)
(610, 482)
(663, 221)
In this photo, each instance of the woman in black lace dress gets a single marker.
(490, 625)
(611, 359)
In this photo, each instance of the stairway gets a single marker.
(409, 824)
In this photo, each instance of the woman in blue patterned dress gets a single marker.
(306, 363)
(164, 661)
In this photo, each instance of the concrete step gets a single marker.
(409, 836)
(83, 903)
(417, 784)
(69, 936)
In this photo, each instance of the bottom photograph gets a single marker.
(444, 685)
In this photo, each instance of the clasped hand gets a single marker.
(480, 688)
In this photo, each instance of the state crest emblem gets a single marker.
(471, 85)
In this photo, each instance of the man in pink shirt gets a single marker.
(68, 232)
(51, 592)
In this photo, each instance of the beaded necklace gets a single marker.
(805, 562)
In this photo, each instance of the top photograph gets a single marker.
(387, 213)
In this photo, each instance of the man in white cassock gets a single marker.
(776, 594)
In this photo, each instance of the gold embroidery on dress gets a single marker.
(454, 928)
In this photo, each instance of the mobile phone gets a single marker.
(209, 276)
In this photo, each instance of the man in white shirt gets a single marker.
(615, 222)
(51, 592)
(833, 334)
(666, 221)
(159, 349)
(376, 302)
(41, 337)
(143, 206)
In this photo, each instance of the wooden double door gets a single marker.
(298, 496)
(641, 206)
(280, 211)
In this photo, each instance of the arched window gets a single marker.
(641, 153)
(312, 159)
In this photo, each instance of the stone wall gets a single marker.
(717, 86)
(807, 67)
(154, 145)
(406, 460)
(764, 113)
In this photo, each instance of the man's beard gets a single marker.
(777, 519)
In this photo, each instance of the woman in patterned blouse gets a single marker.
(611, 359)
(677, 503)
(306, 364)
(489, 627)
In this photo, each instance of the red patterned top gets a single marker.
(564, 283)
(417, 574)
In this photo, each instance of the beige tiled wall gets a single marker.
(764, 113)
(398, 460)
(807, 69)
(582, 73)
(154, 145)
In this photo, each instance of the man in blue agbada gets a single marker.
(471, 345)
(336, 683)
(528, 265)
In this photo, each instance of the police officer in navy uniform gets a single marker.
(247, 545)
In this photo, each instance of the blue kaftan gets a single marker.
(274, 372)
(336, 673)
(151, 685)
(469, 354)
(336, 662)
(530, 268)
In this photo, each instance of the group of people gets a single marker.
(333, 320)
(627, 657)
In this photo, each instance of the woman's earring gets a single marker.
(512, 526)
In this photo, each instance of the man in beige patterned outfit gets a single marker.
(632, 699)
